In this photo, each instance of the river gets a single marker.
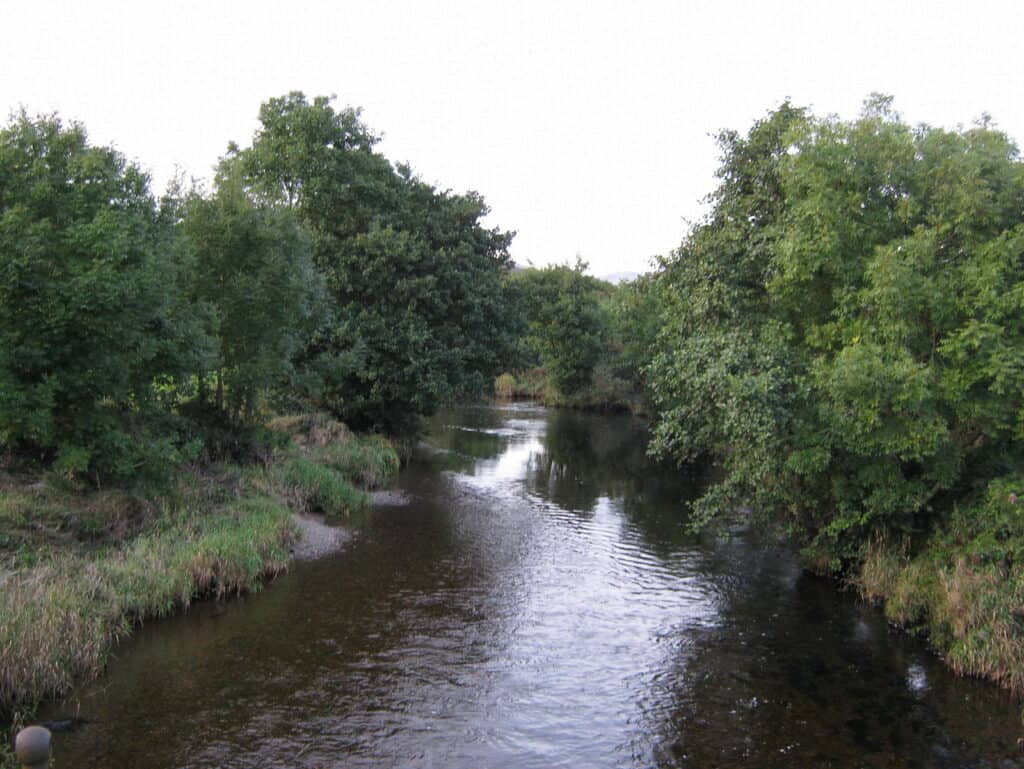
(537, 601)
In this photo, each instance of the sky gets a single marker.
(588, 126)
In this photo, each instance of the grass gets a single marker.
(314, 487)
(368, 461)
(531, 383)
(79, 569)
(60, 616)
(963, 589)
(505, 386)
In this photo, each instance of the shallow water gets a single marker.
(536, 601)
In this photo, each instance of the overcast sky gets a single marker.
(586, 125)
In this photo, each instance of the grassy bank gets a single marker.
(79, 569)
(963, 588)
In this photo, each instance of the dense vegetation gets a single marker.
(136, 334)
(414, 281)
(580, 341)
(85, 567)
(148, 347)
(843, 335)
(844, 331)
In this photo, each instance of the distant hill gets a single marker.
(620, 277)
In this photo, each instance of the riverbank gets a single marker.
(963, 588)
(606, 393)
(79, 569)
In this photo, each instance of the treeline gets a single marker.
(138, 332)
(842, 338)
(580, 341)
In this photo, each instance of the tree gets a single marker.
(564, 322)
(92, 318)
(413, 278)
(845, 326)
(719, 377)
(254, 283)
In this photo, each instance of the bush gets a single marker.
(505, 386)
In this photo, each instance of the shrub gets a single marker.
(505, 386)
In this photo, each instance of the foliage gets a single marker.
(843, 331)
(318, 488)
(582, 343)
(965, 589)
(505, 385)
(87, 564)
(93, 321)
(134, 335)
(254, 283)
(634, 317)
(563, 321)
(369, 461)
(413, 278)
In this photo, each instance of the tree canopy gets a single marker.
(562, 321)
(414, 279)
(843, 332)
(314, 273)
(93, 320)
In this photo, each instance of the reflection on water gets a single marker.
(540, 603)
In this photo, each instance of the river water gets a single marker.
(537, 602)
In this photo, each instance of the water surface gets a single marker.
(538, 603)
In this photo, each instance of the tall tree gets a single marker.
(413, 277)
(254, 282)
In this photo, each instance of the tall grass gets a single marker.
(369, 461)
(964, 588)
(59, 618)
(505, 386)
(309, 485)
(78, 570)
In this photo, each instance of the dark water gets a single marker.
(539, 603)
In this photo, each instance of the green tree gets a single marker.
(413, 278)
(634, 312)
(843, 330)
(254, 283)
(92, 319)
(719, 375)
(564, 321)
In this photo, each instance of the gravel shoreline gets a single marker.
(316, 538)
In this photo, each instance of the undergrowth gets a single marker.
(964, 588)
